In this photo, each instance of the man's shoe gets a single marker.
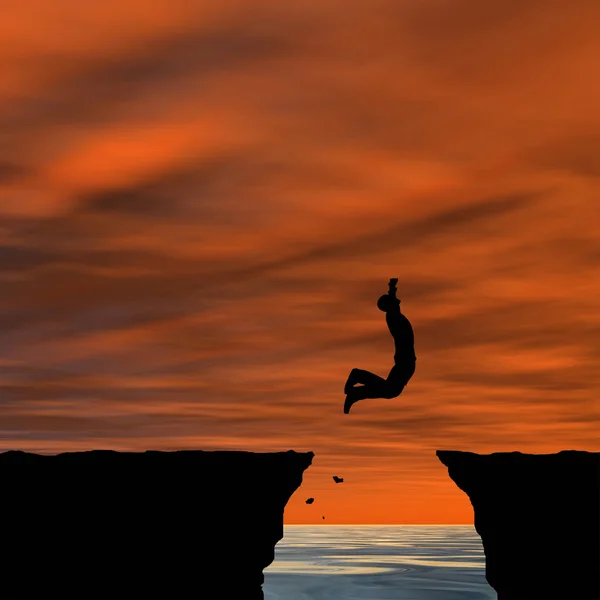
(348, 405)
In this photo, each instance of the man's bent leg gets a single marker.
(363, 377)
(397, 379)
(374, 387)
(377, 387)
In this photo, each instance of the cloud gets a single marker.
(96, 88)
(575, 154)
(10, 171)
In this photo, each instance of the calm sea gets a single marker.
(378, 562)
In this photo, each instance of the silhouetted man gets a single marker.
(371, 385)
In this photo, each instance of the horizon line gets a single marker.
(383, 524)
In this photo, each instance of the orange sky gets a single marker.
(200, 203)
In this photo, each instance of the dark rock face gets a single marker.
(164, 525)
(539, 520)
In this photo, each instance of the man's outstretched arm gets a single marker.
(393, 317)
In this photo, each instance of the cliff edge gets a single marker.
(539, 520)
(106, 524)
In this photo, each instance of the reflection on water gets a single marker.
(378, 562)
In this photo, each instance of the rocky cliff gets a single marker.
(165, 525)
(539, 520)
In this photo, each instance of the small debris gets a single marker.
(338, 479)
(310, 500)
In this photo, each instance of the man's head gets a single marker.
(387, 302)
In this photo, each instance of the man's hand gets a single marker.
(392, 286)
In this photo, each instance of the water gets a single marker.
(378, 562)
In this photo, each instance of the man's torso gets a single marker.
(404, 339)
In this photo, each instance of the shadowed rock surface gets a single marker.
(539, 520)
(104, 524)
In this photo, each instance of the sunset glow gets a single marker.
(200, 203)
